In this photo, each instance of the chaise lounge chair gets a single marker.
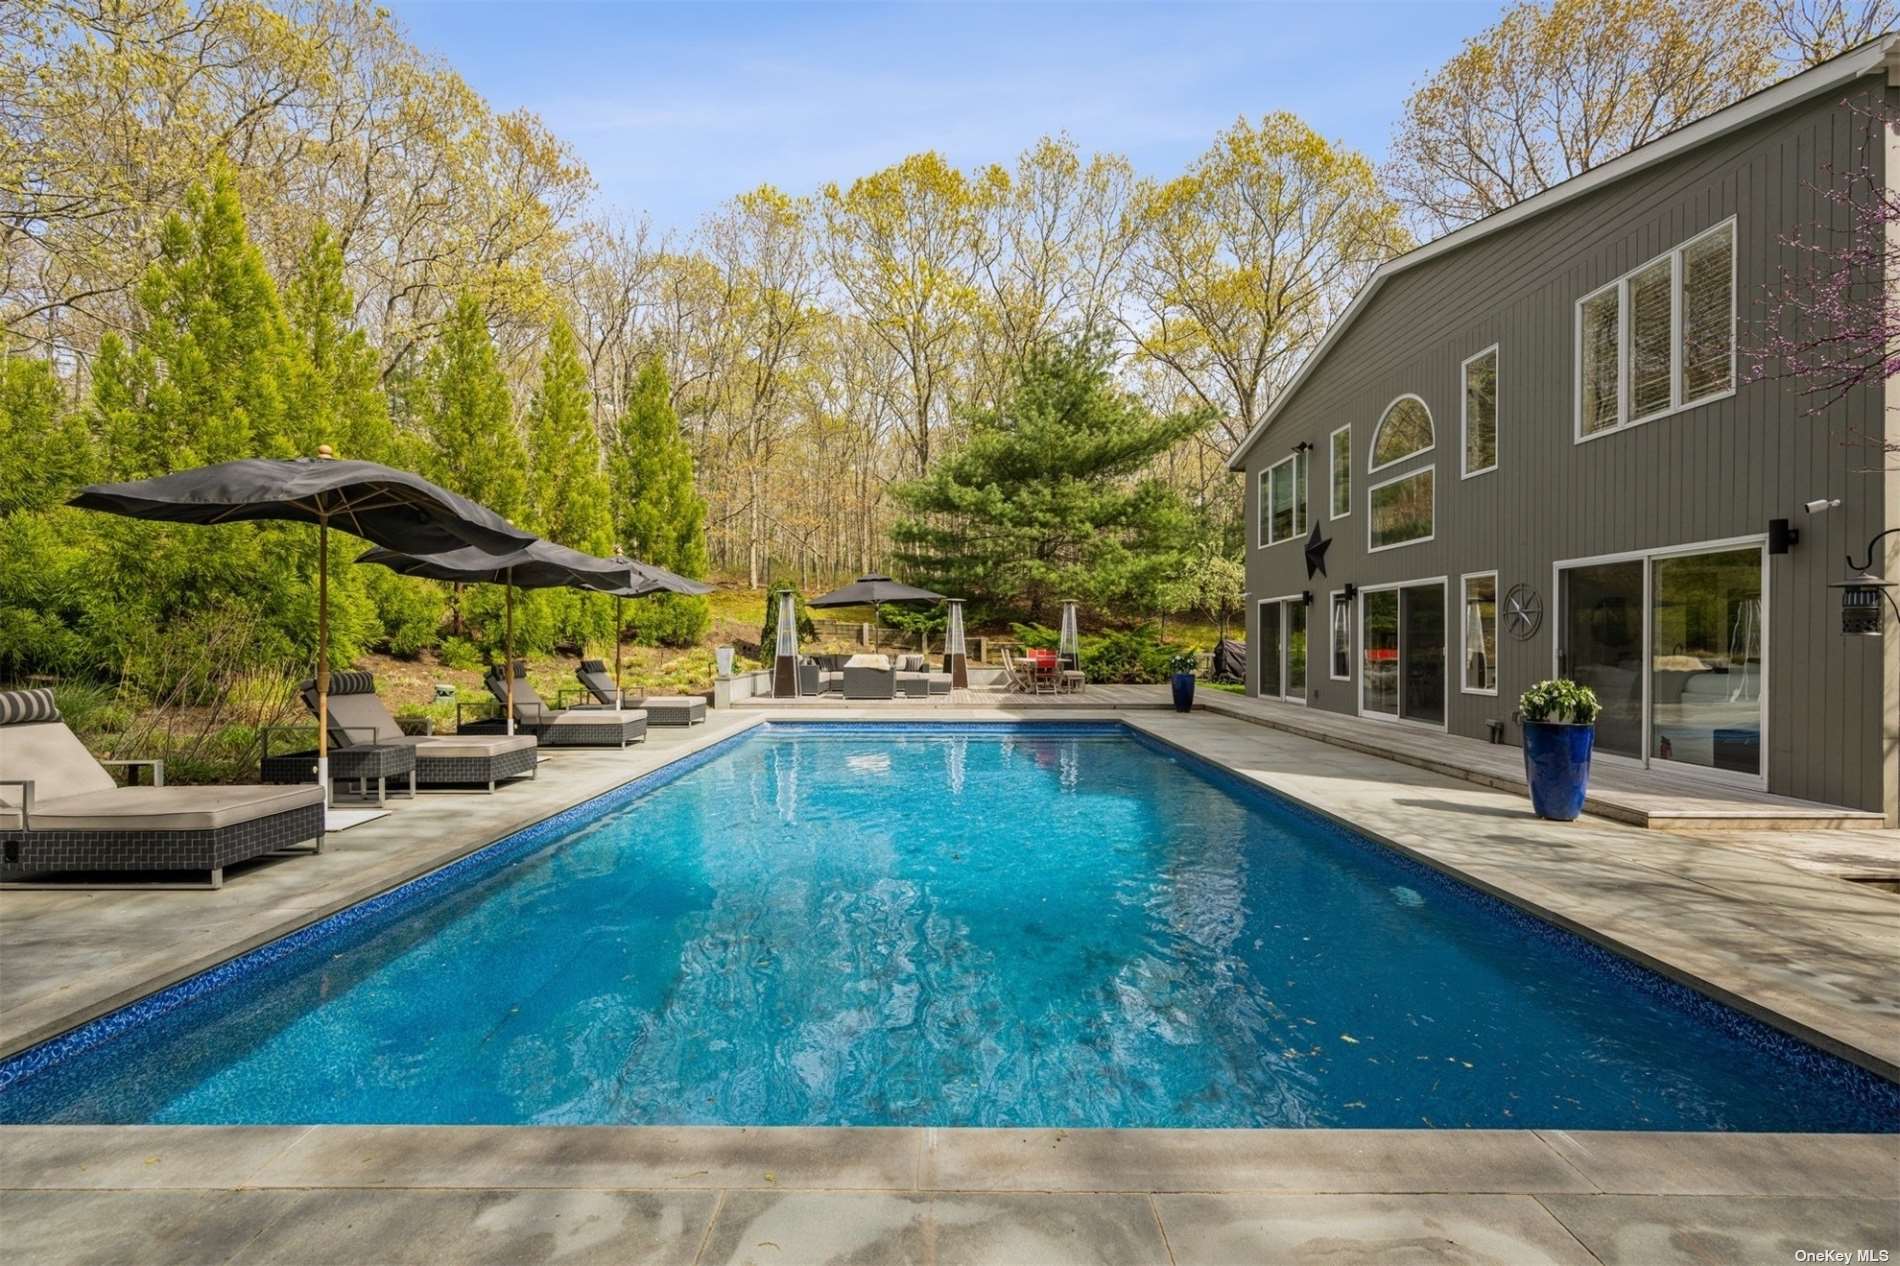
(358, 718)
(660, 709)
(572, 727)
(60, 810)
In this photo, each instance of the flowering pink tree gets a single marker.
(1832, 320)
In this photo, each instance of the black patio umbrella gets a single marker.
(636, 579)
(537, 565)
(875, 590)
(381, 504)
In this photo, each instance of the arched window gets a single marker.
(1405, 431)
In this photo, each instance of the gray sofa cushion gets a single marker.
(169, 808)
(23, 707)
(593, 716)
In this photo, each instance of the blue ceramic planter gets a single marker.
(1184, 692)
(1557, 766)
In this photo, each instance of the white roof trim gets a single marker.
(1881, 55)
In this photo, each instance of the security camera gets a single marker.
(1821, 504)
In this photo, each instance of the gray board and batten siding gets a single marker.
(1710, 472)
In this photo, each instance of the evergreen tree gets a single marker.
(211, 377)
(658, 515)
(42, 544)
(475, 448)
(1049, 498)
(570, 488)
(213, 370)
(468, 418)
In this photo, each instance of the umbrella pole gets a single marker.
(619, 694)
(323, 656)
(508, 650)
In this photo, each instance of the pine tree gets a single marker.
(570, 488)
(42, 544)
(339, 397)
(1050, 496)
(658, 515)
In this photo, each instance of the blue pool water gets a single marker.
(1033, 927)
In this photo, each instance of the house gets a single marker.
(1535, 450)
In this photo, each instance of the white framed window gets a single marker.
(1660, 338)
(1478, 636)
(1339, 452)
(1341, 647)
(1478, 415)
(1400, 511)
(1404, 431)
(1283, 500)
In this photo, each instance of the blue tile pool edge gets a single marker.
(470, 867)
(484, 860)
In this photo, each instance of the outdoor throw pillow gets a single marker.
(17, 707)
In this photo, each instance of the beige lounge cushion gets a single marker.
(440, 746)
(362, 716)
(593, 716)
(52, 756)
(673, 701)
(169, 808)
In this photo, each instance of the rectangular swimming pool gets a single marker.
(1022, 925)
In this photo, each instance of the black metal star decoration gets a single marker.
(1316, 553)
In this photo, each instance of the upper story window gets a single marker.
(1481, 412)
(1660, 338)
(1340, 455)
(1283, 500)
(1405, 431)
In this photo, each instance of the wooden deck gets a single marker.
(1658, 798)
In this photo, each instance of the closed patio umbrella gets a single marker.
(537, 565)
(383, 505)
(874, 590)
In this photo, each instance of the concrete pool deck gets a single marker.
(1814, 954)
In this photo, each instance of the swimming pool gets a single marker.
(1024, 925)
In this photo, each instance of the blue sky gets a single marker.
(676, 107)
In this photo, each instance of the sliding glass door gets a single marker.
(1402, 653)
(1674, 645)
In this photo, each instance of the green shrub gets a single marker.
(460, 653)
(668, 619)
(1133, 656)
(1561, 702)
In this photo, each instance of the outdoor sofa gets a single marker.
(358, 718)
(863, 681)
(916, 681)
(60, 810)
(570, 727)
(660, 709)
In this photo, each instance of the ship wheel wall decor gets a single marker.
(1523, 612)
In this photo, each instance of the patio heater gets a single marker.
(954, 660)
(1069, 644)
(785, 662)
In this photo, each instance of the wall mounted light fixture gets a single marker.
(1862, 592)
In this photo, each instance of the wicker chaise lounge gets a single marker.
(571, 727)
(660, 709)
(60, 810)
(358, 717)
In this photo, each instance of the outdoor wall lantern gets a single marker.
(1862, 592)
(1350, 592)
(1306, 597)
(1304, 446)
(1782, 534)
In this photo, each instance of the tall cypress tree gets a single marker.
(570, 488)
(475, 448)
(658, 515)
(211, 377)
